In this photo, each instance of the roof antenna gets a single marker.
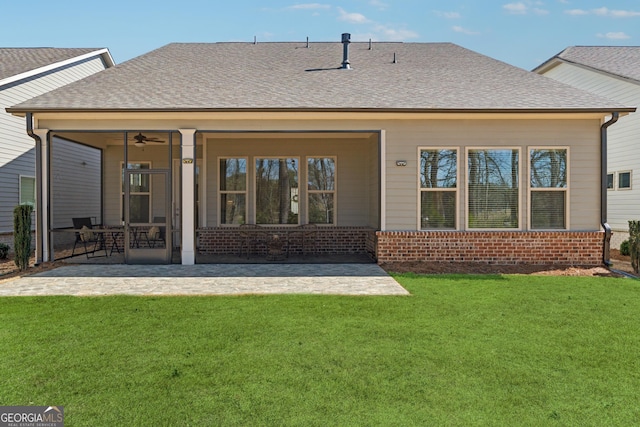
(370, 47)
(307, 42)
(395, 61)
(255, 40)
(346, 39)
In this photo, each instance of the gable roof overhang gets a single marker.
(103, 53)
(626, 70)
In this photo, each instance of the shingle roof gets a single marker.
(14, 61)
(273, 76)
(622, 61)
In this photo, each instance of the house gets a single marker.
(24, 74)
(404, 151)
(612, 72)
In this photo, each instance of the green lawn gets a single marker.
(462, 350)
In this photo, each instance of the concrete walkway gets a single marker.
(207, 279)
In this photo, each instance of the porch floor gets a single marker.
(117, 258)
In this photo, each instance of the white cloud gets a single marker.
(523, 8)
(614, 36)
(603, 11)
(394, 34)
(448, 15)
(309, 6)
(623, 13)
(377, 3)
(459, 29)
(516, 8)
(352, 18)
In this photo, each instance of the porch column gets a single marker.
(42, 202)
(383, 179)
(188, 228)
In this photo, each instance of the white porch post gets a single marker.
(188, 150)
(43, 202)
(383, 180)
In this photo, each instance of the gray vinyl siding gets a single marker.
(17, 152)
(75, 182)
(623, 138)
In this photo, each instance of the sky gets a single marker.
(522, 33)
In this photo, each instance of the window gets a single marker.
(139, 193)
(277, 191)
(548, 181)
(493, 190)
(233, 190)
(438, 188)
(321, 179)
(624, 180)
(27, 190)
(609, 181)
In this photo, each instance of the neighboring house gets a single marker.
(612, 72)
(24, 74)
(405, 151)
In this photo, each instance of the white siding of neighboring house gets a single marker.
(17, 152)
(75, 182)
(623, 141)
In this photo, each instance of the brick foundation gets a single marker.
(329, 240)
(495, 247)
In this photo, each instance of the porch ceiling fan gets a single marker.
(141, 140)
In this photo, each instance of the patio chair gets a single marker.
(87, 237)
(306, 236)
(156, 234)
(251, 235)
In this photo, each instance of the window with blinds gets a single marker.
(493, 188)
(548, 188)
(438, 188)
(27, 190)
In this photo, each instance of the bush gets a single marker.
(634, 244)
(22, 235)
(4, 251)
(624, 248)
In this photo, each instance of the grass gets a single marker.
(462, 350)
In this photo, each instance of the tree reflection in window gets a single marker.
(277, 191)
(321, 173)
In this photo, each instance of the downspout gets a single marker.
(603, 187)
(39, 230)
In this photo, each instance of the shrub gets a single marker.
(624, 248)
(22, 235)
(4, 251)
(634, 244)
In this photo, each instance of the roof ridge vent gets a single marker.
(346, 39)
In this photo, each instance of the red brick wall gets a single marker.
(494, 247)
(329, 240)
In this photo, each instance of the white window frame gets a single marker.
(20, 190)
(613, 181)
(254, 175)
(520, 181)
(421, 190)
(307, 191)
(245, 192)
(137, 162)
(630, 180)
(567, 199)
